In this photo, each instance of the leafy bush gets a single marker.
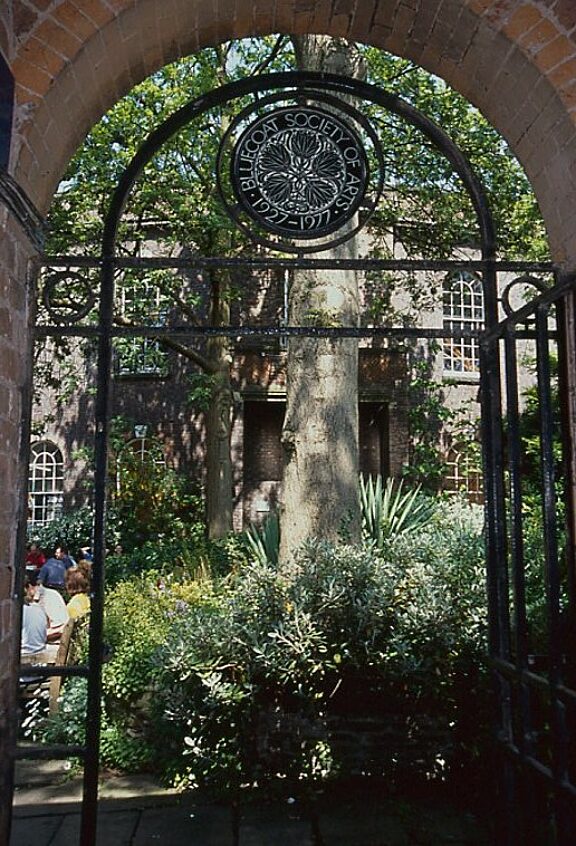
(238, 680)
(74, 530)
(295, 646)
(138, 616)
(226, 666)
(440, 596)
(153, 501)
(189, 554)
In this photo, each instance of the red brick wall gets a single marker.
(14, 363)
(516, 60)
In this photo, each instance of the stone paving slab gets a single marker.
(34, 831)
(41, 799)
(348, 824)
(264, 825)
(185, 826)
(114, 829)
(397, 823)
(41, 794)
(213, 825)
(136, 811)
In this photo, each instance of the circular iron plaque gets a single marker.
(299, 171)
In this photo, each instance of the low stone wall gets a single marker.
(376, 744)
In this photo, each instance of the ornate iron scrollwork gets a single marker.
(68, 296)
(520, 283)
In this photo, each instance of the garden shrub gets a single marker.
(296, 644)
(138, 616)
(73, 529)
(261, 649)
(239, 680)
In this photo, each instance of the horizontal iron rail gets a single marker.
(50, 670)
(186, 331)
(539, 767)
(532, 679)
(49, 753)
(129, 262)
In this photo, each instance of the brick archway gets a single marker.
(515, 60)
(72, 59)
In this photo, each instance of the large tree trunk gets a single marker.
(218, 459)
(320, 433)
(219, 500)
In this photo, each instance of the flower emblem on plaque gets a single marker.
(299, 172)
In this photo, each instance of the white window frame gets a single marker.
(45, 483)
(462, 308)
(462, 476)
(146, 357)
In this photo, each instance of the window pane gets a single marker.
(45, 482)
(463, 308)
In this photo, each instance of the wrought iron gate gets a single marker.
(532, 648)
(538, 734)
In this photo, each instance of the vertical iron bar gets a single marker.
(495, 502)
(505, 820)
(552, 572)
(102, 415)
(521, 640)
(515, 476)
(496, 547)
(522, 699)
(493, 453)
(566, 320)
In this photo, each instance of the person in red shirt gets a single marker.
(34, 556)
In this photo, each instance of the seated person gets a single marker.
(62, 554)
(77, 585)
(34, 629)
(35, 558)
(52, 604)
(85, 567)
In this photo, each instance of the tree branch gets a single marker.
(189, 353)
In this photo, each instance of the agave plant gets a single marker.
(264, 541)
(388, 510)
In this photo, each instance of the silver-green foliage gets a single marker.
(409, 619)
(264, 541)
(391, 509)
(198, 668)
(440, 612)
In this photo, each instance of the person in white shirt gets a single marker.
(34, 629)
(51, 603)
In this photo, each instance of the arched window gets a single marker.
(138, 456)
(463, 308)
(45, 483)
(462, 474)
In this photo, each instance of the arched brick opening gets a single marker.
(515, 60)
(72, 59)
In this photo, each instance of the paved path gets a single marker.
(134, 811)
